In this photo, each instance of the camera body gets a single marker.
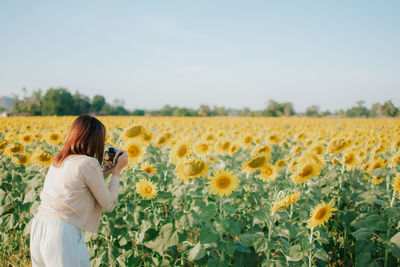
(110, 154)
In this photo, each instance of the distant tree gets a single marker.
(220, 111)
(275, 109)
(359, 111)
(389, 110)
(28, 104)
(98, 103)
(245, 112)
(312, 111)
(138, 112)
(81, 104)
(288, 109)
(204, 111)
(112, 110)
(57, 102)
(376, 110)
(166, 111)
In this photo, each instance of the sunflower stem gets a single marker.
(310, 239)
(220, 208)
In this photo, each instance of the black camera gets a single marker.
(110, 154)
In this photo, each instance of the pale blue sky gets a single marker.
(186, 53)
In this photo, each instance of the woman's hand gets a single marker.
(106, 166)
(121, 163)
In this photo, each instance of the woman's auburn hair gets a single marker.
(85, 137)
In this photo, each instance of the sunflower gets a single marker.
(288, 200)
(212, 159)
(223, 146)
(146, 189)
(223, 183)
(26, 139)
(234, 148)
(263, 150)
(163, 139)
(396, 183)
(318, 149)
(268, 173)
(350, 160)
(22, 159)
(148, 168)
(179, 151)
(54, 138)
(395, 160)
(255, 163)
(42, 158)
(191, 169)
(280, 164)
(377, 180)
(3, 145)
(247, 139)
(320, 215)
(273, 139)
(335, 160)
(377, 163)
(14, 148)
(305, 171)
(337, 145)
(296, 150)
(135, 152)
(203, 148)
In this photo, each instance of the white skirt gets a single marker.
(57, 243)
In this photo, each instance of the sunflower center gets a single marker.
(203, 147)
(321, 213)
(133, 151)
(148, 189)
(268, 171)
(225, 146)
(15, 148)
(133, 131)
(257, 162)
(147, 169)
(3, 145)
(54, 136)
(248, 139)
(182, 150)
(44, 156)
(348, 159)
(27, 138)
(22, 159)
(223, 182)
(307, 170)
(193, 168)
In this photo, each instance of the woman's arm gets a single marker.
(94, 178)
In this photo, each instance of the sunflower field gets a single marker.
(223, 191)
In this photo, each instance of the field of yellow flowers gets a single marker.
(223, 191)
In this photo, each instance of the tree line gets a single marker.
(59, 101)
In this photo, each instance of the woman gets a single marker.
(73, 197)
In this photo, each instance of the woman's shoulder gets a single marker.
(83, 159)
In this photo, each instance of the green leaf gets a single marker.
(209, 212)
(197, 252)
(260, 242)
(362, 234)
(247, 239)
(295, 253)
(396, 239)
(242, 248)
(208, 235)
(227, 246)
(167, 237)
(321, 254)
